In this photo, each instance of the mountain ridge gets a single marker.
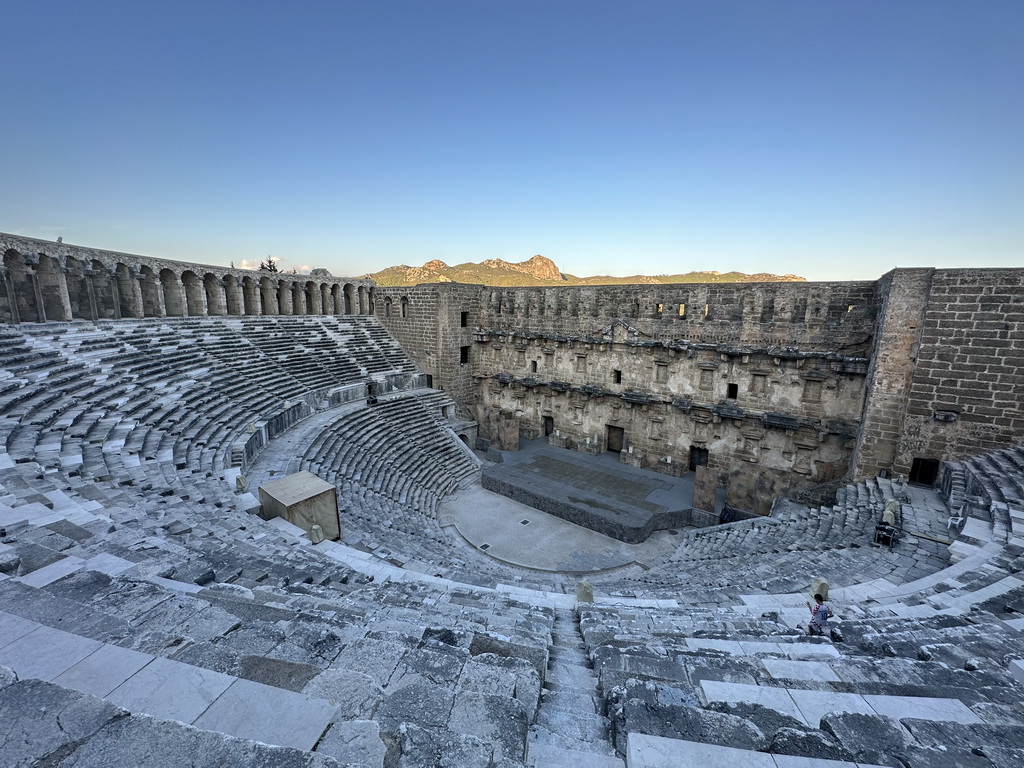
(541, 271)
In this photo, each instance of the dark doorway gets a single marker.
(616, 437)
(698, 457)
(924, 471)
(430, 380)
(549, 425)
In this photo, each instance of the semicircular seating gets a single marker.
(132, 575)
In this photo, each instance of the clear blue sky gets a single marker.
(834, 140)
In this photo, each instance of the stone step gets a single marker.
(569, 676)
(809, 706)
(545, 737)
(163, 688)
(660, 752)
(547, 756)
(66, 725)
(570, 702)
(580, 726)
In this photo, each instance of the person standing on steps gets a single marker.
(821, 612)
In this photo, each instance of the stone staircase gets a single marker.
(571, 727)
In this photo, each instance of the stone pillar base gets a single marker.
(666, 466)
(559, 440)
(633, 458)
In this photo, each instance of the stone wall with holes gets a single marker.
(786, 385)
(756, 456)
(948, 377)
(434, 323)
(827, 316)
(772, 421)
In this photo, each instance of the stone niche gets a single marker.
(303, 499)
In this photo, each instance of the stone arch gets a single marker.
(53, 289)
(129, 291)
(373, 300)
(387, 306)
(79, 290)
(404, 301)
(233, 295)
(251, 299)
(149, 289)
(213, 293)
(195, 295)
(338, 298)
(8, 296)
(104, 290)
(284, 297)
(311, 298)
(298, 292)
(326, 300)
(174, 293)
(350, 299)
(364, 300)
(269, 298)
(20, 290)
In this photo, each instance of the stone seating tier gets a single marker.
(122, 536)
(228, 594)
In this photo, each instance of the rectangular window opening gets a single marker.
(682, 310)
(617, 377)
(463, 355)
(464, 319)
(812, 391)
(733, 391)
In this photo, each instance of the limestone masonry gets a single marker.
(862, 439)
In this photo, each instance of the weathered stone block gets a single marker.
(305, 500)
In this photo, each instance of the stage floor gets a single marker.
(597, 492)
(494, 523)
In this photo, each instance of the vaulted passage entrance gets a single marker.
(616, 437)
(698, 457)
(924, 471)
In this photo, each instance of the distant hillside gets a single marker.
(542, 271)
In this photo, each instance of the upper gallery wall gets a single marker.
(45, 281)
